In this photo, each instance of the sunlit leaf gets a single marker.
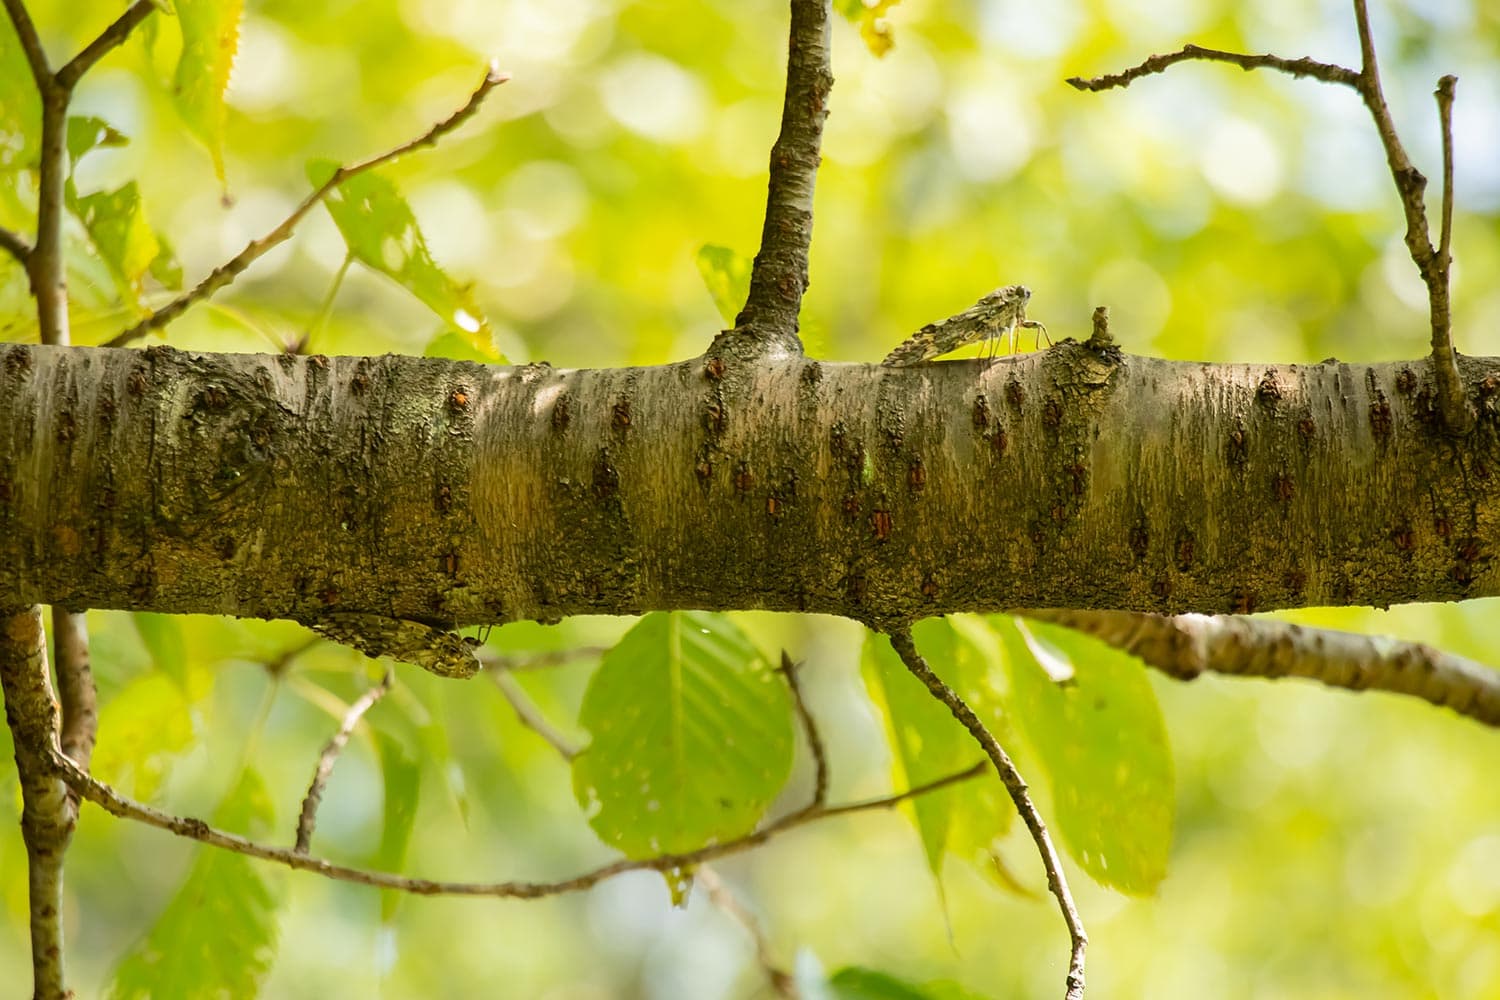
(461, 347)
(20, 105)
(402, 777)
(217, 935)
(85, 133)
(210, 39)
(858, 983)
(142, 729)
(871, 17)
(1101, 738)
(381, 232)
(692, 736)
(117, 226)
(726, 274)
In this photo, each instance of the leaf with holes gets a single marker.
(1099, 734)
(692, 736)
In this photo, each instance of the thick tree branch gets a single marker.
(1434, 265)
(48, 814)
(779, 276)
(1015, 785)
(112, 802)
(1185, 646)
(231, 269)
(308, 817)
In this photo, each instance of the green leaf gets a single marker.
(217, 935)
(461, 347)
(210, 38)
(20, 105)
(116, 223)
(1101, 739)
(692, 736)
(402, 776)
(142, 729)
(381, 232)
(858, 983)
(85, 133)
(726, 274)
(162, 636)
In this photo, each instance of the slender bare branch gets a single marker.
(75, 685)
(724, 898)
(15, 244)
(1057, 880)
(778, 278)
(308, 817)
(112, 802)
(1444, 95)
(48, 813)
(530, 716)
(810, 730)
(1185, 646)
(110, 38)
(31, 43)
(231, 269)
(538, 661)
(1327, 72)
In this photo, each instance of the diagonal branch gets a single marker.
(308, 818)
(1327, 72)
(783, 984)
(231, 269)
(112, 802)
(810, 730)
(778, 278)
(1057, 881)
(529, 715)
(109, 39)
(31, 43)
(1185, 646)
(15, 244)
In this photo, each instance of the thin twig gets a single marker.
(75, 685)
(1185, 646)
(778, 277)
(1057, 881)
(112, 802)
(530, 716)
(226, 273)
(538, 661)
(15, 244)
(108, 39)
(31, 43)
(1444, 95)
(724, 898)
(330, 755)
(810, 730)
(1327, 72)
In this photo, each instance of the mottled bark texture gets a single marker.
(453, 493)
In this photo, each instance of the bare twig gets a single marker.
(1185, 646)
(810, 730)
(778, 278)
(538, 661)
(530, 716)
(15, 244)
(75, 685)
(31, 43)
(1101, 337)
(226, 272)
(112, 802)
(108, 39)
(330, 755)
(1057, 881)
(724, 898)
(1444, 95)
(48, 813)
(1327, 72)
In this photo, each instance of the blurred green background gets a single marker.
(1328, 845)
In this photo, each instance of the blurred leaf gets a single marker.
(165, 644)
(870, 15)
(142, 729)
(402, 777)
(85, 133)
(692, 736)
(727, 277)
(462, 347)
(1101, 738)
(20, 105)
(381, 231)
(858, 983)
(116, 223)
(210, 39)
(217, 936)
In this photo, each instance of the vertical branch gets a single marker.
(1444, 95)
(48, 812)
(779, 276)
(75, 685)
(1057, 882)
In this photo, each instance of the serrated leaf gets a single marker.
(401, 774)
(142, 730)
(1101, 739)
(217, 935)
(210, 39)
(726, 275)
(381, 231)
(692, 736)
(20, 105)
